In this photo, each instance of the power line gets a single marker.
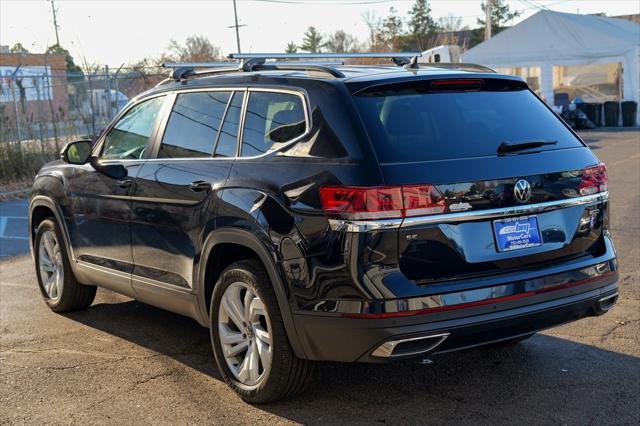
(334, 2)
(530, 6)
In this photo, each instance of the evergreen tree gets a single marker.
(421, 24)
(291, 48)
(312, 41)
(392, 29)
(18, 48)
(501, 14)
(74, 72)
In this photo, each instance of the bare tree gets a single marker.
(449, 26)
(341, 42)
(373, 23)
(197, 48)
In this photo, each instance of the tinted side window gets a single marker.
(228, 139)
(271, 118)
(128, 138)
(193, 125)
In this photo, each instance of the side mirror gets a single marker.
(77, 152)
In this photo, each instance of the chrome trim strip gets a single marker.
(371, 225)
(302, 94)
(386, 349)
(505, 211)
(363, 225)
(140, 280)
(103, 269)
(164, 200)
(611, 296)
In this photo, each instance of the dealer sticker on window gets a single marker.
(517, 233)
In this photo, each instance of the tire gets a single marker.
(60, 290)
(286, 375)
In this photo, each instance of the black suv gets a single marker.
(311, 212)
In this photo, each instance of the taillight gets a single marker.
(422, 200)
(362, 202)
(384, 202)
(594, 180)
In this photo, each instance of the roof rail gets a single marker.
(399, 58)
(268, 61)
(299, 66)
(199, 64)
(183, 71)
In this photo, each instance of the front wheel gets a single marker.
(59, 287)
(248, 336)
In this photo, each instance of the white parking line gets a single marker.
(3, 227)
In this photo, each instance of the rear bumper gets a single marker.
(379, 338)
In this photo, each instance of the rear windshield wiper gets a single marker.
(507, 147)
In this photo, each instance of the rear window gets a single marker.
(410, 126)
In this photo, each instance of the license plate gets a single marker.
(517, 233)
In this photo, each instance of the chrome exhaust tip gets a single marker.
(409, 346)
(607, 302)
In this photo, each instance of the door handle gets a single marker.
(125, 183)
(200, 185)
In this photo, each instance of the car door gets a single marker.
(173, 202)
(101, 204)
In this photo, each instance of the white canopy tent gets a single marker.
(549, 39)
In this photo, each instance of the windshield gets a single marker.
(409, 126)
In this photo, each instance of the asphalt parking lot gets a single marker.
(128, 363)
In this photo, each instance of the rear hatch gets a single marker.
(499, 182)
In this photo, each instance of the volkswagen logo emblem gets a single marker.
(522, 191)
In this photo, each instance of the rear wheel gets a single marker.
(59, 287)
(248, 336)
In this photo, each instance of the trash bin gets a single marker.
(611, 113)
(599, 114)
(591, 110)
(629, 110)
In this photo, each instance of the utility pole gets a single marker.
(55, 21)
(236, 26)
(487, 19)
(107, 90)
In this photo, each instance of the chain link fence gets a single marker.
(42, 110)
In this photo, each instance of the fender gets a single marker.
(245, 238)
(45, 201)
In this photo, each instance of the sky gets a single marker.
(124, 31)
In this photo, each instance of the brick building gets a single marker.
(40, 79)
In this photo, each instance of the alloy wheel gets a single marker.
(51, 265)
(245, 334)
